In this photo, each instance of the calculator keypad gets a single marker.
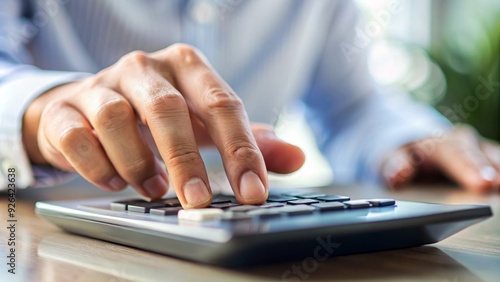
(228, 209)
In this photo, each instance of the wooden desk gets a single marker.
(44, 253)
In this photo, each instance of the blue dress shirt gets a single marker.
(271, 52)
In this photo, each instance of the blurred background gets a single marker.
(441, 52)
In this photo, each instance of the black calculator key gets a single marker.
(303, 202)
(297, 209)
(382, 202)
(311, 196)
(145, 207)
(122, 205)
(170, 202)
(222, 199)
(334, 198)
(357, 204)
(280, 198)
(165, 211)
(329, 206)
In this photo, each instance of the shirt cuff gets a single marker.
(17, 91)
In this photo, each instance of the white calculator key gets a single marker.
(199, 214)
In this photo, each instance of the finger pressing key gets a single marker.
(163, 109)
(224, 116)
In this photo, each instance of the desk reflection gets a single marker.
(121, 263)
(103, 261)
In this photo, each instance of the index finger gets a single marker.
(225, 118)
(162, 108)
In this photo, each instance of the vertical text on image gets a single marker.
(11, 220)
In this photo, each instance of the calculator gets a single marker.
(290, 225)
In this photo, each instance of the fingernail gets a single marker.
(117, 183)
(155, 186)
(196, 192)
(488, 173)
(251, 186)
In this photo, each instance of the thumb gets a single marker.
(279, 156)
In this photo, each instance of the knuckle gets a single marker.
(243, 151)
(184, 53)
(113, 115)
(183, 157)
(53, 107)
(95, 81)
(76, 145)
(138, 168)
(156, 87)
(134, 59)
(219, 99)
(75, 138)
(166, 102)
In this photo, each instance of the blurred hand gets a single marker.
(461, 154)
(92, 127)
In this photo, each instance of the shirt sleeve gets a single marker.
(355, 123)
(20, 83)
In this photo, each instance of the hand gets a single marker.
(460, 154)
(92, 127)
